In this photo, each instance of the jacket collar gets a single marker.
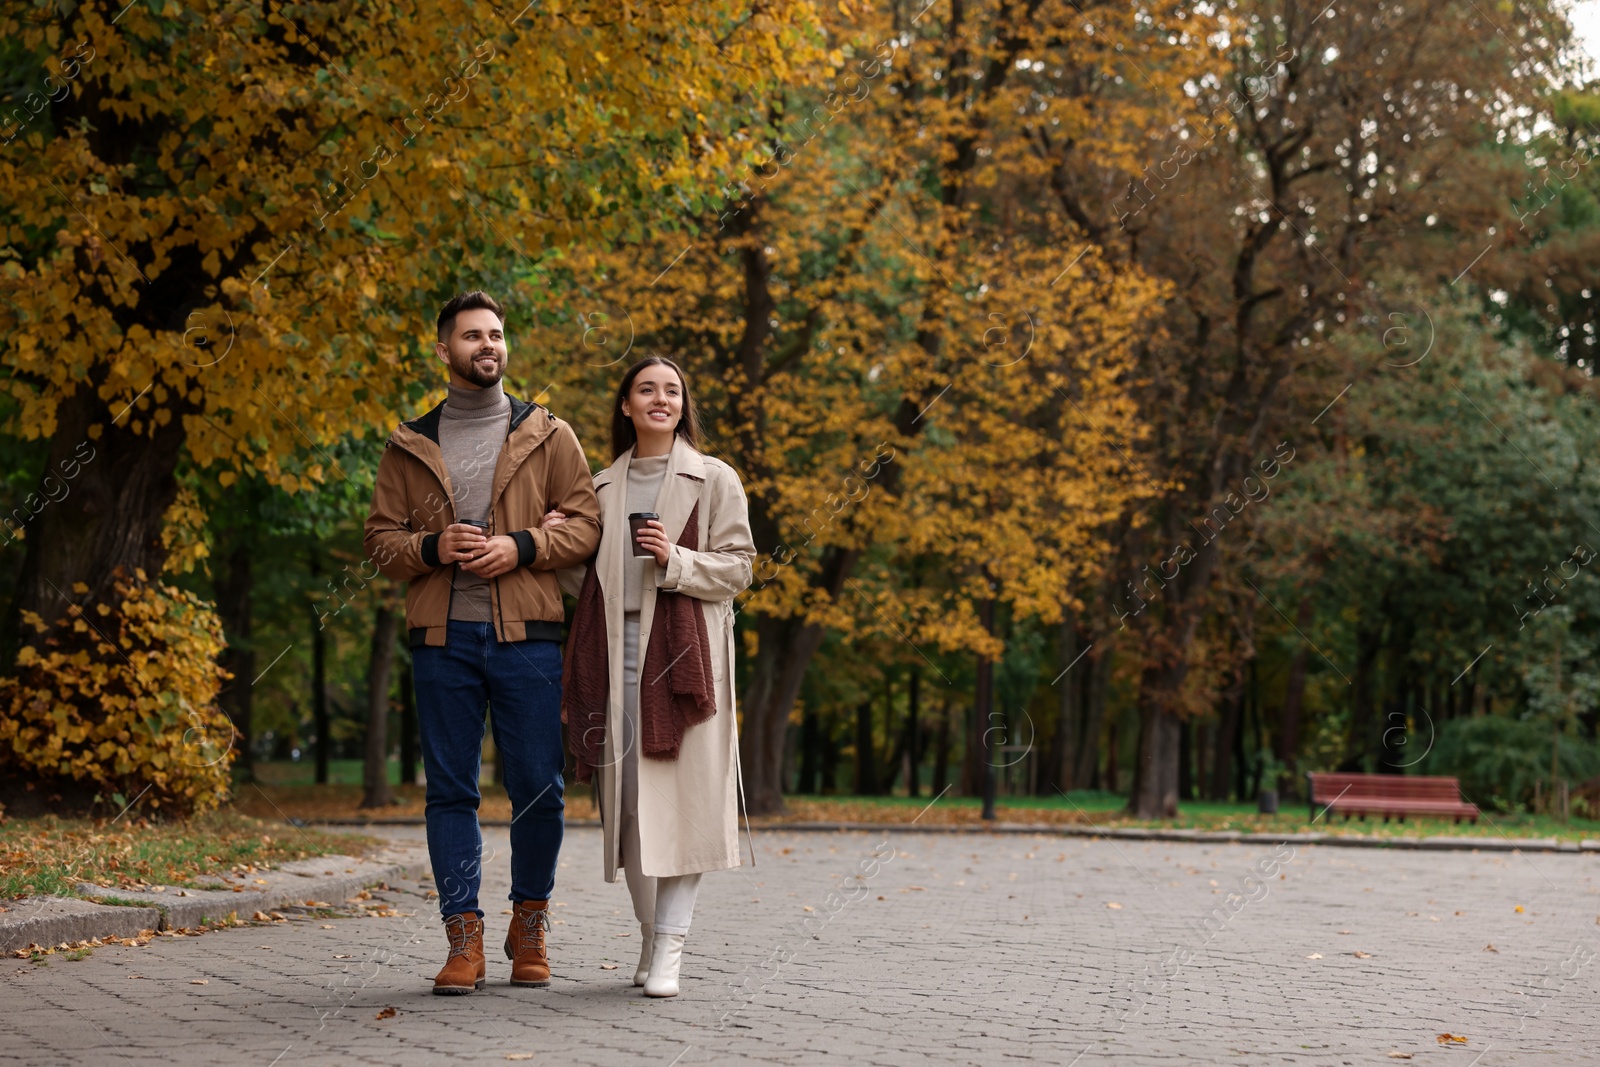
(428, 424)
(530, 424)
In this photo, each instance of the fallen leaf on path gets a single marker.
(262, 917)
(1314, 956)
(807, 907)
(1519, 909)
(508, 911)
(1490, 948)
(1396, 1054)
(519, 1055)
(345, 956)
(199, 981)
(135, 976)
(625, 933)
(318, 903)
(386, 1013)
(608, 966)
(1113, 905)
(328, 926)
(1358, 954)
(1448, 1039)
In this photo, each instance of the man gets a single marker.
(456, 514)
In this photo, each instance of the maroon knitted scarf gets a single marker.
(676, 690)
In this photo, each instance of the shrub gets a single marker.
(1498, 759)
(121, 697)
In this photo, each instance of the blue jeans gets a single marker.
(521, 682)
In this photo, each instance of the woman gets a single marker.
(647, 692)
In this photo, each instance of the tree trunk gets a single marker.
(1155, 781)
(891, 768)
(784, 648)
(1241, 760)
(319, 679)
(810, 751)
(1109, 780)
(408, 729)
(1289, 724)
(234, 586)
(941, 752)
(1363, 710)
(98, 510)
(1186, 760)
(983, 704)
(380, 665)
(830, 762)
(866, 759)
(913, 732)
(1093, 694)
(1260, 719)
(1155, 794)
(1065, 744)
(1226, 735)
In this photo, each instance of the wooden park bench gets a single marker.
(1389, 795)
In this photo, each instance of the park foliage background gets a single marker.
(1165, 399)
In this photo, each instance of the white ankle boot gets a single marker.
(646, 935)
(666, 955)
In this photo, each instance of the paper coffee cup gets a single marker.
(636, 522)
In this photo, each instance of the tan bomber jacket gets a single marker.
(540, 466)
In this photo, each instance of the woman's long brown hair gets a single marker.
(624, 436)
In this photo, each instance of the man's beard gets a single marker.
(468, 369)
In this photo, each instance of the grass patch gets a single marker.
(1106, 810)
(311, 803)
(50, 855)
(304, 772)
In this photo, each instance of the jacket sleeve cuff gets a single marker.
(667, 578)
(527, 549)
(430, 550)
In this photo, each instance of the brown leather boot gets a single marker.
(464, 971)
(530, 964)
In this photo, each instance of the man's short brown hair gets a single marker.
(469, 301)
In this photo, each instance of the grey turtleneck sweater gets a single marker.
(472, 429)
(644, 487)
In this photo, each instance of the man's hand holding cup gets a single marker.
(462, 542)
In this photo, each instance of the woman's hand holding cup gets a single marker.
(651, 537)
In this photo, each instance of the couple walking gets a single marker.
(486, 508)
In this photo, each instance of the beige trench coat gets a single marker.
(688, 807)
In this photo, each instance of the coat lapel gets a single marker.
(614, 542)
(680, 489)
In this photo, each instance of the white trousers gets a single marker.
(668, 903)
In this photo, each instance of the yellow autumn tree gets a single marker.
(912, 353)
(226, 226)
